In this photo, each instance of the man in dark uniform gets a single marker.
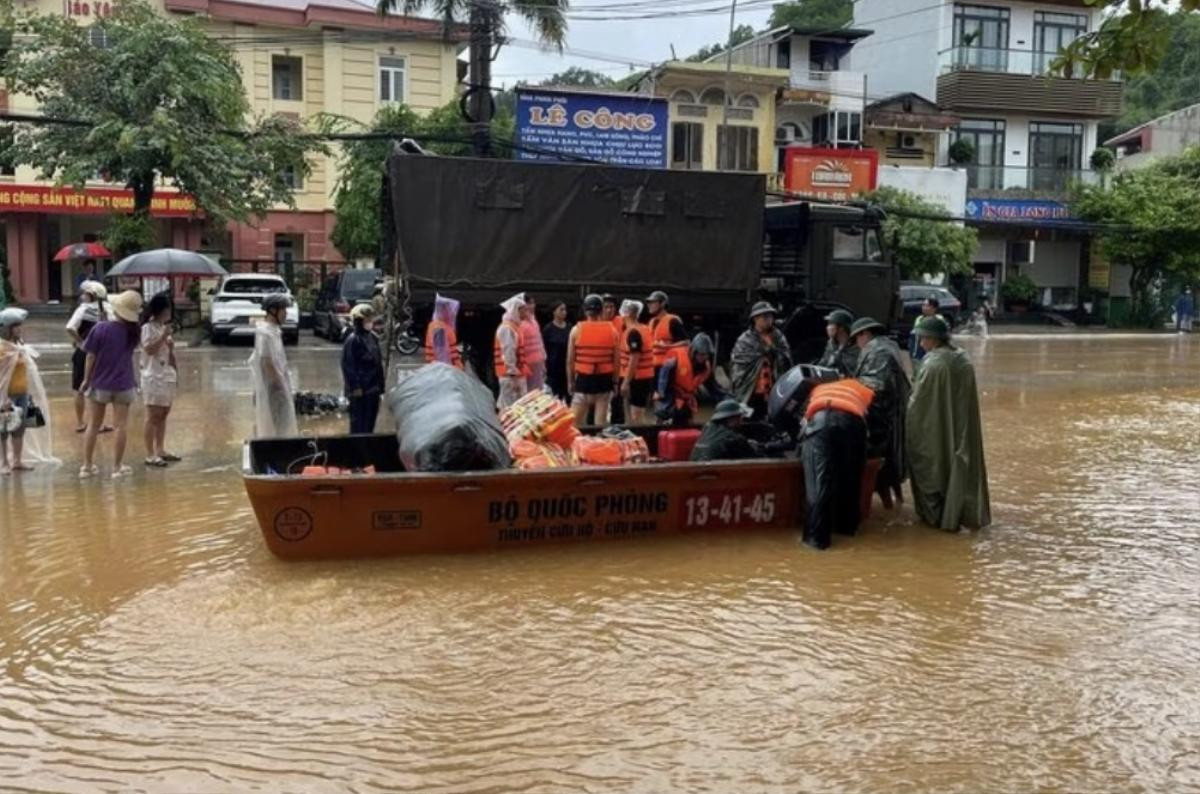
(880, 369)
(721, 439)
(841, 354)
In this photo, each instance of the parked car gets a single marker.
(338, 295)
(237, 307)
(913, 295)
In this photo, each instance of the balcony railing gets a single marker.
(1042, 181)
(987, 59)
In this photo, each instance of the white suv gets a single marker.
(237, 307)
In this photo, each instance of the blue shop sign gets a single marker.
(1017, 210)
(621, 130)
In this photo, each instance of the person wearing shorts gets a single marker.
(109, 379)
(86, 316)
(159, 379)
(637, 363)
(593, 360)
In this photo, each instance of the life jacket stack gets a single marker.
(615, 450)
(540, 418)
(846, 395)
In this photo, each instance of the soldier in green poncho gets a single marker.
(880, 368)
(945, 435)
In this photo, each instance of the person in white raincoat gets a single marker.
(511, 369)
(22, 400)
(274, 409)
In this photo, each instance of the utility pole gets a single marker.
(483, 24)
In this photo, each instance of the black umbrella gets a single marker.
(167, 263)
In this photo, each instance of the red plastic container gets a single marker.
(676, 445)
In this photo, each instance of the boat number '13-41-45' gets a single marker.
(728, 509)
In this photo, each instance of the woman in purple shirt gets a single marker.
(108, 378)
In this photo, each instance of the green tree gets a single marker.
(1132, 38)
(921, 244)
(825, 14)
(1149, 223)
(161, 100)
(740, 34)
(1173, 82)
(583, 78)
(356, 198)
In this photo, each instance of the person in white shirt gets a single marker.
(91, 311)
(159, 377)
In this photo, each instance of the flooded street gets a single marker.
(149, 642)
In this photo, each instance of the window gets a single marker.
(1052, 32)
(747, 101)
(687, 146)
(292, 178)
(981, 37)
(684, 97)
(1055, 150)
(391, 78)
(98, 36)
(289, 248)
(737, 148)
(713, 96)
(783, 54)
(856, 244)
(986, 172)
(838, 129)
(287, 75)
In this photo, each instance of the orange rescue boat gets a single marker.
(318, 515)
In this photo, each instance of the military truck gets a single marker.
(481, 230)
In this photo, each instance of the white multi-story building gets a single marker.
(1032, 131)
(824, 100)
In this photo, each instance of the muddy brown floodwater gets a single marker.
(149, 642)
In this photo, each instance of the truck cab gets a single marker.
(818, 257)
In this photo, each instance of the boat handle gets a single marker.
(591, 483)
(467, 488)
(326, 490)
(706, 477)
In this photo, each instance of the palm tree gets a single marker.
(485, 21)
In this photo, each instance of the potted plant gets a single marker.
(1018, 293)
(962, 152)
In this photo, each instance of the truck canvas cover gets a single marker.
(499, 223)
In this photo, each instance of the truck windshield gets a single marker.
(856, 244)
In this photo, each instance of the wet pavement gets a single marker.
(150, 643)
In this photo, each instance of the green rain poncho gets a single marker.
(945, 443)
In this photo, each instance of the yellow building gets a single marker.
(705, 133)
(298, 57)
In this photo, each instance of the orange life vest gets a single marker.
(594, 348)
(501, 367)
(619, 323)
(660, 329)
(686, 381)
(451, 341)
(645, 363)
(847, 395)
(532, 348)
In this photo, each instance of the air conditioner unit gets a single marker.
(908, 141)
(785, 134)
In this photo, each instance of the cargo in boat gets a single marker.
(391, 511)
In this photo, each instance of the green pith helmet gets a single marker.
(866, 324)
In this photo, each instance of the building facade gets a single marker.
(706, 132)
(822, 104)
(1165, 136)
(1032, 131)
(297, 57)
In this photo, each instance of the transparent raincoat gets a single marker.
(274, 409)
(512, 387)
(38, 446)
